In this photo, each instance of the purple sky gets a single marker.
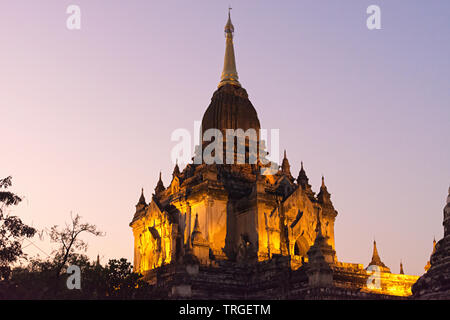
(87, 115)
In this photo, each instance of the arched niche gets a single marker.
(301, 247)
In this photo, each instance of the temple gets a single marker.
(435, 283)
(226, 231)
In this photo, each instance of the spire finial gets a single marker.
(196, 225)
(303, 180)
(323, 181)
(285, 166)
(229, 73)
(142, 198)
(160, 185)
(376, 260)
(176, 170)
(375, 255)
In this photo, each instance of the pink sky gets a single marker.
(87, 115)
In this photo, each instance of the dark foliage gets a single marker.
(115, 280)
(47, 279)
(12, 230)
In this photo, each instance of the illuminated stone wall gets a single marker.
(262, 225)
(212, 216)
(394, 284)
(154, 239)
(289, 228)
(301, 230)
(352, 275)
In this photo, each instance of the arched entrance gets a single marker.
(301, 247)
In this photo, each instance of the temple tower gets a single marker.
(435, 283)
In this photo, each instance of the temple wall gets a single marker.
(392, 284)
(212, 218)
(382, 283)
(217, 226)
(268, 231)
(303, 233)
(246, 224)
(154, 240)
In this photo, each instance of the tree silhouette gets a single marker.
(69, 241)
(115, 280)
(12, 230)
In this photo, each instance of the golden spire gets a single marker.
(229, 73)
(376, 260)
(375, 255)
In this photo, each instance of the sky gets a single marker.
(87, 115)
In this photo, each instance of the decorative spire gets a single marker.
(197, 236)
(229, 73)
(140, 206)
(160, 186)
(176, 170)
(324, 196)
(401, 268)
(320, 253)
(196, 225)
(285, 166)
(375, 256)
(376, 260)
(142, 198)
(318, 227)
(303, 181)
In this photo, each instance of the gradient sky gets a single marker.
(86, 116)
